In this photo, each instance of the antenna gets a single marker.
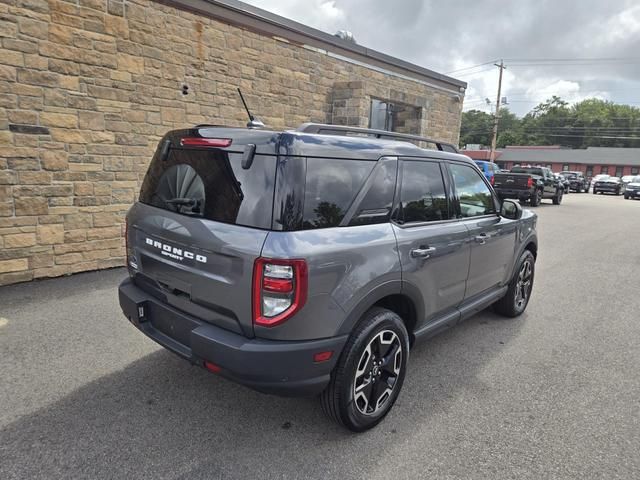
(253, 121)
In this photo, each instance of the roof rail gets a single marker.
(327, 129)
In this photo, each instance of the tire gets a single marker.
(355, 369)
(557, 199)
(595, 191)
(515, 301)
(536, 199)
(626, 197)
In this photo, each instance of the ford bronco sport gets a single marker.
(309, 262)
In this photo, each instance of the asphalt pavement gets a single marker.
(552, 394)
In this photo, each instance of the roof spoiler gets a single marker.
(326, 129)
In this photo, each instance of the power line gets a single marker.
(471, 67)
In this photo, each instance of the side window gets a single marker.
(422, 194)
(375, 207)
(330, 187)
(473, 194)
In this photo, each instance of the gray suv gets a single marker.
(309, 262)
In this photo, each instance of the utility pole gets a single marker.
(494, 137)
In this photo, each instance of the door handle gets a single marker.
(422, 252)
(482, 238)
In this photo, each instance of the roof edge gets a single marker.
(253, 18)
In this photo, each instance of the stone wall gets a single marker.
(87, 87)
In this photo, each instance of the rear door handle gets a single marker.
(422, 252)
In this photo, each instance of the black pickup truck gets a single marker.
(529, 184)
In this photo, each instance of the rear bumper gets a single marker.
(282, 368)
(513, 193)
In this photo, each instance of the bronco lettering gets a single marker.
(175, 252)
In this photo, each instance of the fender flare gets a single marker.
(393, 287)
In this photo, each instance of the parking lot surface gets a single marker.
(552, 394)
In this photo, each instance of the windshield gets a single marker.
(635, 180)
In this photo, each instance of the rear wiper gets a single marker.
(178, 203)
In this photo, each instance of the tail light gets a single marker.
(493, 179)
(529, 182)
(279, 290)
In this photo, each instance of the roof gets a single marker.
(252, 18)
(300, 143)
(588, 156)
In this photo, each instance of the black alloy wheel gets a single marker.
(370, 372)
(518, 295)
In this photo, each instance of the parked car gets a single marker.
(633, 188)
(609, 185)
(564, 181)
(598, 178)
(530, 184)
(285, 261)
(627, 179)
(577, 181)
(488, 168)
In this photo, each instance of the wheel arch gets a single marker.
(394, 296)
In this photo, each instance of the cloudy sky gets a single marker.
(571, 48)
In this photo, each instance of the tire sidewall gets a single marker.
(382, 320)
(512, 290)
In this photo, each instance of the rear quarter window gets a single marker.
(330, 187)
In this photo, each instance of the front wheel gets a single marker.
(369, 375)
(517, 297)
(626, 196)
(557, 199)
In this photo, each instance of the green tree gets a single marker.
(476, 127)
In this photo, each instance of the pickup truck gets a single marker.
(529, 184)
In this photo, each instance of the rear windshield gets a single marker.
(211, 184)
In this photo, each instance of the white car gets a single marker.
(598, 177)
(633, 188)
(628, 179)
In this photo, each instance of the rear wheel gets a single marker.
(536, 198)
(517, 297)
(367, 380)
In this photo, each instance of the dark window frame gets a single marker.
(635, 170)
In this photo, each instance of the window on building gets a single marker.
(548, 165)
(394, 117)
(590, 171)
(604, 170)
(619, 171)
(422, 194)
(565, 167)
(635, 170)
(473, 194)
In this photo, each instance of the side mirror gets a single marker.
(511, 210)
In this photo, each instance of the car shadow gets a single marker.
(161, 418)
